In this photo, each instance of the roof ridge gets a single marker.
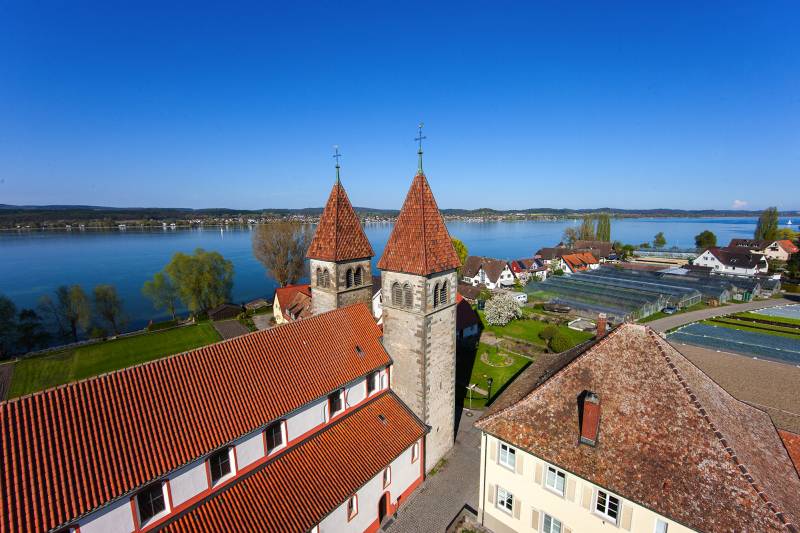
(731, 454)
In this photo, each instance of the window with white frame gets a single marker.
(220, 465)
(607, 506)
(661, 526)
(555, 480)
(508, 456)
(352, 507)
(551, 525)
(274, 435)
(415, 452)
(151, 502)
(387, 476)
(505, 500)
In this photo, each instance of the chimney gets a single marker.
(589, 415)
(602, 325)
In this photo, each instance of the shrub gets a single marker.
(548, 332)
(560, 343)
(502, 309)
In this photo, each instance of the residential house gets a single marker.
(602, 250)
(525, 269)
(470, 292)
(733, 261)
(550, 256)
(494, 273)
(578, 262)
(779, 250)
(468, 323)
(292, 302)
(626, 434)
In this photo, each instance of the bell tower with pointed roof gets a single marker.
(419, 284)
(340, 255)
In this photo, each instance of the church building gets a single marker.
(323, 424)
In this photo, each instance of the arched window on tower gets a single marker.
(348, 280)
(408, 296)
(358, 278)
(326, 278)
(436, 296)
(397, 295)
(444, 294)
(320, 278)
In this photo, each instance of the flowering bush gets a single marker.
(502, 309)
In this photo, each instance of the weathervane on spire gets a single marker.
(337, 156)
(419, 139)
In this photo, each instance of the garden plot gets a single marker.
(739, 341)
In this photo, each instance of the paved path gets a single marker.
(262, 321)
(436, 503)
(674, 321)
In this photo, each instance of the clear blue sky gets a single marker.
(548, 104)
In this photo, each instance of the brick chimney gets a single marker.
(589, 414)
(602, 325)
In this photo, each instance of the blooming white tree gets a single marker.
(502, 309)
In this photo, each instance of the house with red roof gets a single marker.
(292, 302)
(578, 262)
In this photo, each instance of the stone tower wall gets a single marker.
(337, 294)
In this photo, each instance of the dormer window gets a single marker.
(372, 382)
(334, 403)
(151, 503)
(274, 434)
(220, 465)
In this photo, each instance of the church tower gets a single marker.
(340, 255)
(419, 284)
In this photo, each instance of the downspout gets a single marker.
(483, 485)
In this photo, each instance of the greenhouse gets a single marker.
(712, 289)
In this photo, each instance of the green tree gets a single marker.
(461, 251)
(659, 241)
(70, 310)
(31, 333)
(623, 251)
(162, 292)
(108, 307)
(8, 326)
(204, 280)
(560, 343)
(586, 231)
(281, 247)
(548, 332)
(604, 228)
(786, 234)
(767, 226)
(705, 239)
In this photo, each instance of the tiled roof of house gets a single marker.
(750, 244)
(465, 314)
(551, 253)
(68, 450)
(419, 243)
(736, 257)
(670, 438)
(598, 248)
(287, 297)
(792, 443)
(298, 489)
(470, 292)
(788, 246)
(339, 235)
(579, 260)
(492, 267)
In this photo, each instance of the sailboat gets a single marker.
(789, 223)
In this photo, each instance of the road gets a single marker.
(667, 323)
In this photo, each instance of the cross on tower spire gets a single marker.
(419, 139)
(337, 156)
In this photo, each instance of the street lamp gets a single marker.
(489, 382)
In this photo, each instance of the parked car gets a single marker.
(521, 297)
(669, 310)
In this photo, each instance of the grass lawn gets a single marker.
(480, 371)
(661, 314)
(56, 368)
(767, 329)
(528, 330)
(758, 316)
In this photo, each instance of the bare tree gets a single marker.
(281, 247)
(163, 292)
(108, 306)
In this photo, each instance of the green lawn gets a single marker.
(481, 371)
(767, 329)
(55, 368)
(528, 330)
(781, 319)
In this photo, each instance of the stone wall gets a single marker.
(337, 294)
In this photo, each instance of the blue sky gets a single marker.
(556, 104)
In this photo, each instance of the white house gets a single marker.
(779, 250)
(734, 261)
(627, 435)
(493, 273)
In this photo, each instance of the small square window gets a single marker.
(555, 480)
(150, 502)
(220, 465)
(372, 382)
(508, 456)
(274, 436)
(607, 506)
(551, 525)
(505, 500)
(335, 402)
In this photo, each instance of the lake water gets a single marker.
(35, 263)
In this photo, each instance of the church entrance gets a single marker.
(383, 506)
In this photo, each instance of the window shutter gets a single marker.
(571, 489)
(519, 460)
(491, 493)
(627, 516)
(493, 450)
(535, 519)
(517, 505)
(587, 497)
(538, 475)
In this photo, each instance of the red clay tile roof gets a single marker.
(492, 267)
(286, 296)
(788, 246)
(792, 443)
(670, 438)
(579, 260)
(419, 243)
(68, 450)
(299, 488)
(339, 235)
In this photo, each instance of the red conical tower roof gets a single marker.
(420, 243)
(339, 235)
